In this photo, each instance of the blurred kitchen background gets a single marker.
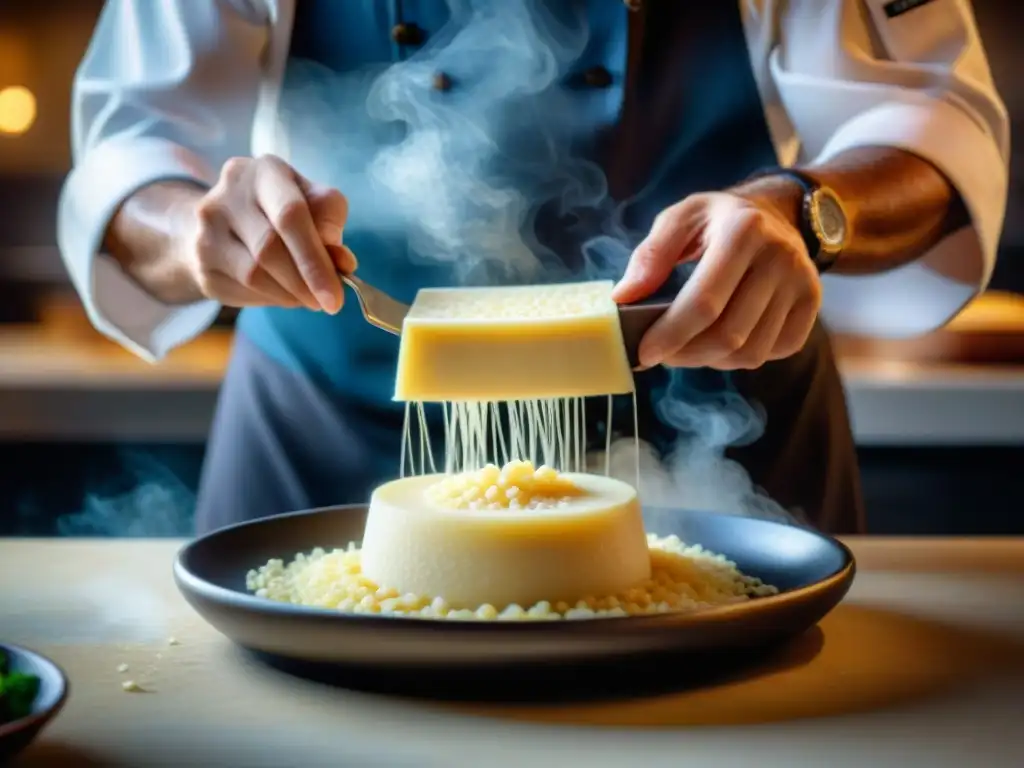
(86, 427)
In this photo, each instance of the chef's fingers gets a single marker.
(797, 329)
(344, 260)
(731, 244)
(254, 286)
(218, 249)
(245, 269)
(284, 204)
(674, 238)
(232, 203)
(328, 207)
(268, 256)
(228, 291)
(758, 348)
(731, 333)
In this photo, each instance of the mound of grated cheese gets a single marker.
(517, 485)
(683, 578)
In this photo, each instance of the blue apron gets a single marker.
(661, 99)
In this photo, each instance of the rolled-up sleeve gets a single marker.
(913, 76)
(166, 91)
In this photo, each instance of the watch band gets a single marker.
(821, 260)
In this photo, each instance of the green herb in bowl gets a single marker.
(18, 692)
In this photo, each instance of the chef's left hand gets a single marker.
(754, 294)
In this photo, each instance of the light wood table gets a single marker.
(923, 665)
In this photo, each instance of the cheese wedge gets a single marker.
(516, 343)
(502, 537)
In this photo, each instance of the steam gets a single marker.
(695, 474)
(477, 165)
(464, 174)
(157, 504)
(707, 424)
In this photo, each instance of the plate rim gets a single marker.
(189, 582)
(42, 717)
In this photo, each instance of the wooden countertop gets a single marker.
(923, 664)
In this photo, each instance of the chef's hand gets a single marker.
(753, 295)
(265, 235)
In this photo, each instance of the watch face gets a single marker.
(830, 220)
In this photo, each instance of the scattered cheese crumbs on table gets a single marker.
(173, 641)
(122, 667)
(131, 686)
(684, 578)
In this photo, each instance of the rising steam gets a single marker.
(464, 173)
(157, 504)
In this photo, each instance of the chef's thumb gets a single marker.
(344, 260)
(648, 269)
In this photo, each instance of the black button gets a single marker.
(408, 34)
(597, 77)
(441, 82)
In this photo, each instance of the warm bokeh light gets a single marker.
(17, 109)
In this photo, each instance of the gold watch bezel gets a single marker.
(814, 218)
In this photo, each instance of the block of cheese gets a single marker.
(498, 537)
(515, 343)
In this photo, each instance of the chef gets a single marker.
(839, 163)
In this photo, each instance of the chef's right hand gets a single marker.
(267, 236)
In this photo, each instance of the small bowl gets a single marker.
(53, 692)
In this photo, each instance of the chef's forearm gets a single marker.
(146, 237)
(899, 206)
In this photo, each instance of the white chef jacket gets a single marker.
(832, 75)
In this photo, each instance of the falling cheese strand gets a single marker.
(550, 432)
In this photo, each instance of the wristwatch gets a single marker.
(823, 225)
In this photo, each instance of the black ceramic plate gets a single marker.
(53, 691)
(812, 571)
